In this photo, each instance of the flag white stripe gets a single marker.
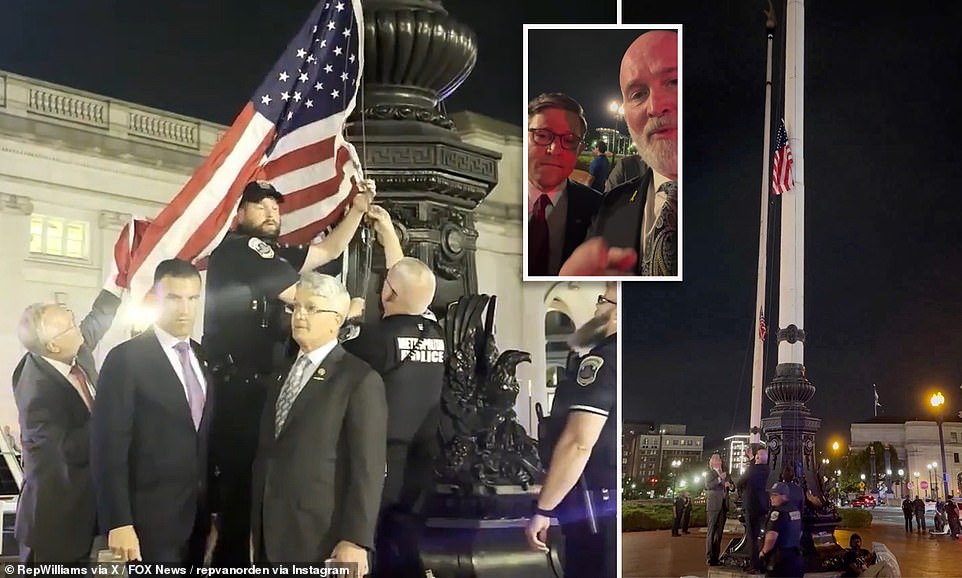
(301, 218)
(307, 135)
(201, 206)
(310, 175)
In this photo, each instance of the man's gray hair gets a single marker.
(31, 331)
(320, 285)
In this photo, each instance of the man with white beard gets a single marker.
(579, 446)
(640, 217)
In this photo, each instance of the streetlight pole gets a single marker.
(938, 400)
(618, 110)
(674, 477)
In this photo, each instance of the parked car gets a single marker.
(865, 501)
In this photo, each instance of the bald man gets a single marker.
(635, 229)
(407, 349)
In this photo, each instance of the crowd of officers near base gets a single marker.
(102, 470)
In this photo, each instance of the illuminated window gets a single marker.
(59, 237)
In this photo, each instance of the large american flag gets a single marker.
(290, 133)
(782, 180)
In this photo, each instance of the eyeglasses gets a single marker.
(310, 310)
(602, 300)
(544, 137)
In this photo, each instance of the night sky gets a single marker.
(197, 58)
(583, 64)
(883, 252)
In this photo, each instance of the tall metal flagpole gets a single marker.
(791, 428)
(758, 386)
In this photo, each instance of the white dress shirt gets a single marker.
(64, 370)
(317, 357)
(534, 193)
(168, 342)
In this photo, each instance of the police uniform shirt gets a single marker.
(787, 521)
(245, 275)
(408, 352)
(592, 388)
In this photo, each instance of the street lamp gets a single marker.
(937, 401)
(901, 491)
(674, 475)
(617, 109)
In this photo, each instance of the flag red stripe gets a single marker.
(299, 159)
(306, 234)
(318, 192)
(156, 232)
(202, 237)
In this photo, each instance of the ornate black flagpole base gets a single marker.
(790, 437)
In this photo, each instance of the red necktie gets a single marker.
(82, 385)
(538, 240)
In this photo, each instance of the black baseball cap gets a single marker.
(255, 191)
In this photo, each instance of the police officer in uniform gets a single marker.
(580, 447)
(408, 350)
(250, 278)
(783, 535)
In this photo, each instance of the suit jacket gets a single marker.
(754, 488)
(56, 513)
(149, 462)
(582, 204)
(627, 168)
(320, 481)
(619, 218)
(716, 492)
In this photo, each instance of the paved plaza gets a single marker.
(657, 554)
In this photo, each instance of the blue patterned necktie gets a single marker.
(661, 245)
(195, 393)
(292, 386)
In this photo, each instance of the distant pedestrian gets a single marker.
(677, 512)
(919, 508)
(908, 511)
(686, 514)
(952, 512)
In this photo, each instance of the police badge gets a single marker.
(588, 370)
(261, 248)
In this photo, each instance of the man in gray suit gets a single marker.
(54, 386)
(717, 486)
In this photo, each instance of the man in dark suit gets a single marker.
(559, 209)
(717, 486)
(640, 217)
(320, 465)
(150, 431)
(54, 386)
(753, 487)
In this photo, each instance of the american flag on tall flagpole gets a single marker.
(762, 329)
(289, 133)
(782, 180)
